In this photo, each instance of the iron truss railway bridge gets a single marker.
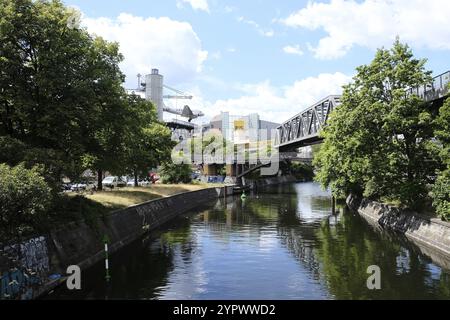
(303, 129)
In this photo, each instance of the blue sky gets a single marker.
(271, 57)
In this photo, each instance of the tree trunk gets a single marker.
(99, 179)
(136, 184)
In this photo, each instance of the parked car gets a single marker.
(141, 183)
(83, 186)
(66, 187)
(144, 183)
(114, 182)
(122, 182)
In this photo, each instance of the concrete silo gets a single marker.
(154, 91)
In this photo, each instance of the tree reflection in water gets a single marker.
(282, 243)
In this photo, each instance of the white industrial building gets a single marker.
(241, 129)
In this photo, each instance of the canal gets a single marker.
(281, 243)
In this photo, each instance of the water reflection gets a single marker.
(282, 243)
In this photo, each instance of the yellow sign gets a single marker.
(239, 125)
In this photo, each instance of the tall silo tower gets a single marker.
(154, 91)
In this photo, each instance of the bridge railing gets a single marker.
(437, 89)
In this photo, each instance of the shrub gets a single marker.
(302, 171)
(77, 208)
(441, 195)
(176, 173)
(25, 199)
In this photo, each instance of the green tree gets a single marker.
(441, 189)
(441, 195)
(112, 115)
(11, 150)
(148, 141)
(301, 170)
(443, 132)
(60, 88)
(176, 173)
(378, 141)
(25, 198)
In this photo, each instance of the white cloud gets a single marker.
(279, 104)
(229, 9)
(268, 33)
(216, 55)
(146, 43)
(374, 23)
(293, 50)
(262, 31)
(195, 4)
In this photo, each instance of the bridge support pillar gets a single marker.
(209, 170)
(239, 170)
(231, 170)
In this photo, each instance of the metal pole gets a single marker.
(108, 277)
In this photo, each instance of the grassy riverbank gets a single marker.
(125, 197)
(89, 207)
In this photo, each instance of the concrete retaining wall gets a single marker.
(81, 245)
(29, 269)
(432, 233)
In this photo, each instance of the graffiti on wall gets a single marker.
(34, 255)
(27, 263)
(18, 284)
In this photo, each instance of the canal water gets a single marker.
(281, 243)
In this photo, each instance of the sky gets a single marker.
(272, 57)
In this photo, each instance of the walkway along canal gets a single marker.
(282, 243)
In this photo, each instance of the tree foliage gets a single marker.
(61, 95)
(148, 142)
(302, 171)
(176, 173)
(441, 195)
(378, 141)
(63, 108)
(441, 190)
(25, 198)
(59, 85)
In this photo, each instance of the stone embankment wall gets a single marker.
(431, 234)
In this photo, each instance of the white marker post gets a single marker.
(108, 277)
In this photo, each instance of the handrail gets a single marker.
(438, 88)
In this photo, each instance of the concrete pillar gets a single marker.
(209, 170)
(239, 170)
(229, 218)
(231, 170)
